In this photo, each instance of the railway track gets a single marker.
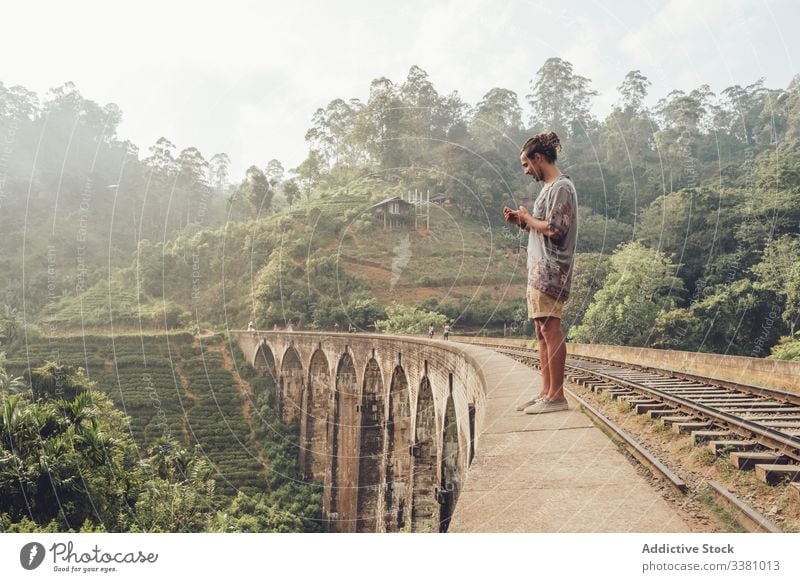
(757, 427)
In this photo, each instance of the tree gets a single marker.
(292, 191)
(274, 172)
(420, 102)
(450, 119)
(9, 383)
(191, 187)
(331, 131)
(18, 103)
(788, 101)
(739, 115)
(633, 92)
(775, 200)
(65, 456)
(498, 120)
(589, 276)
(686, 113)
(732, 318)
(219, 171)
(9, 324)
(779, 272)
(402, 319)
(560, 99)
(256, 190)
(631, 169)
(641, 283)
(378, 126)
(693, 227)
(309, 172)
(599, 234)
(162, 157)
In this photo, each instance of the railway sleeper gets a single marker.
(657, 413)
(675, 384)
(635, 399)
(690, 427)
(773, 474)
(703, 436)
(747, 460)
(646, 408)
(748, 415)
(725, 447)
(593, 382)
(619, 393)
(781, 423)
(670, 420)
(680, 390)
(764, 413)
(727, 401)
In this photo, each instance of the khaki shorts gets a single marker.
(542, 305)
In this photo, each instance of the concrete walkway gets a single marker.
(554, 472)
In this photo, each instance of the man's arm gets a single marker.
(527, 222)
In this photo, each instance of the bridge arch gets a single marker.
(264, 362)
(314, 418)
(343, 436)
(424, 510)
(449, 483)
(291, 385)
(371, 469)
(398, 454)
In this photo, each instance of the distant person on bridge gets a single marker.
(251, 326)
(430, 331)
(553, 228)
(446, 331)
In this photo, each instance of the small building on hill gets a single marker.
(395, 213)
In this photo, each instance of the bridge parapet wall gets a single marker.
(757, 371)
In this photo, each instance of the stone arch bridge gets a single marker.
(388, 424)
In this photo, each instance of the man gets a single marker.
(553, 228)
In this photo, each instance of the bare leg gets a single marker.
(557, 352)
(544, 361)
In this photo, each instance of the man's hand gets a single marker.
(519, 217)
(511, 216)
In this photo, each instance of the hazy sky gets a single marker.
(246, 77)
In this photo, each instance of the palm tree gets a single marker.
(9, 322)
(79, 409)
(9, 383)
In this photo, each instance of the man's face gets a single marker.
(531, 167)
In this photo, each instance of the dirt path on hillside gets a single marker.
(246, 392)
(194, 398)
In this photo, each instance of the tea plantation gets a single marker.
(169, 385)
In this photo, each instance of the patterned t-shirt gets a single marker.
(550, 258)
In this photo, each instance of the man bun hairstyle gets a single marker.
(546, 143)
